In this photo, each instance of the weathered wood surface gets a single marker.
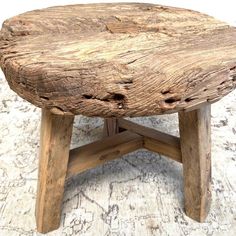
(116, 145)
(154, 140)
(195, 138)
(118, 59)
(96, 153)
(54, 155)
(110, 127)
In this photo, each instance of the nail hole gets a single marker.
(165, 91)
(222, 82)
(87, 96)
(44, 98)
(172, 100)
(118, 96)
(189, 99)
(23, 84)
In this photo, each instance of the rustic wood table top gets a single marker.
(117, 60)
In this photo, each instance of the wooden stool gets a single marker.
(116, 61)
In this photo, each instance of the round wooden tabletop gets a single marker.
(117, 60)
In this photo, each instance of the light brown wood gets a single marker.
(118, 60)
(154, 140)
(195, 137)
(113, 61)
(116, 145)
(110, 127)
(54, 154)
(99, 152)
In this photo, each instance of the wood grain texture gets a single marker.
(54, 154)
(110, 127)
(118, 59)
(99, 152)
(154, 140)
(150, 185)
(195, 138)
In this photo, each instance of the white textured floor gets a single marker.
(140, 194)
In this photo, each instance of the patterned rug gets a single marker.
(139, 194)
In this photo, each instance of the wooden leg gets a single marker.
(110, 127)
(195, 132)
(55, 138)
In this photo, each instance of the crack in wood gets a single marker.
(145, 59)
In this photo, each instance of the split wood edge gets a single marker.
(116, 145)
